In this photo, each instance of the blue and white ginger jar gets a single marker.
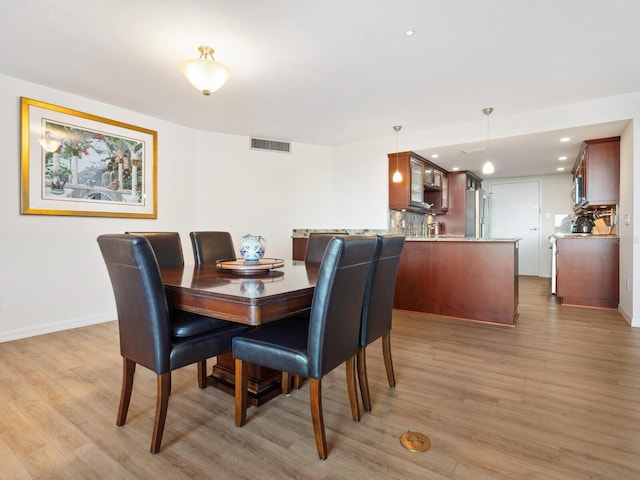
(253, 248)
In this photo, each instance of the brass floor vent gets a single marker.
(415, 441)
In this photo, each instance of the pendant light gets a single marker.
(397, 176)
(205, 73)
(487, 168)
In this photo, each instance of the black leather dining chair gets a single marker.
(211, 246)
(316, 246)
(313, 346)
(377, 309)
(150, 334)
(166, 246)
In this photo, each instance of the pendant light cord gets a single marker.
(488, 166)
(397, 176)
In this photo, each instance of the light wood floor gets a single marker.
(556, 397)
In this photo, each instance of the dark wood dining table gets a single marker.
(253, 299)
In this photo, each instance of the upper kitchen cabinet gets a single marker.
(596, 174)
(408, 194)
(423, 188)
(435, 188)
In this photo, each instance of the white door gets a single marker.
(515, 212)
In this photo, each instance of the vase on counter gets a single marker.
(253, 248)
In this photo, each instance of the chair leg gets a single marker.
(297, 382)
(286, 383)
(351, 387)
(363, 380)
(128, 370)
(202, 374)
(162, 403)
(315, 397)
(388, 362)
(241, 392)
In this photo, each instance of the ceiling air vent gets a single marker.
(273, 145)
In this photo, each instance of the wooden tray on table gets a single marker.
(242, 267)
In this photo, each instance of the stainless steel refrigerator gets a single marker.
(477, 214)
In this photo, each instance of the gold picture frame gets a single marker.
(75, 163)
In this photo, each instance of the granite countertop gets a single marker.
(304, 232)
(583, 235)
(454, 238)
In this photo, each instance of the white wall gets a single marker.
(360, 184)
(629, 261)
(53, 276)
(242, 191)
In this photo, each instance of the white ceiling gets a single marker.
(337, 71)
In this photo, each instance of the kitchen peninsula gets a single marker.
(463, 277)
(455, 276)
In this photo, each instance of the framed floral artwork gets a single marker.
(75, 163)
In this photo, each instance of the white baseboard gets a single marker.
(627, 316)
(18, 333)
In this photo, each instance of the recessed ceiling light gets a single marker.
(455, 169)
(435, 155)
(561, 169)
(565, 139)
(562, 158)
(409, 32)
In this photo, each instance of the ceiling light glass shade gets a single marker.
(205, 73)
(487, 168)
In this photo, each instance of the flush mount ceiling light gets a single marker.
(205, 73)
(487, 168)
(397, 176)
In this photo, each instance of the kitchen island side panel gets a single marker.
(588, 271)
(475, 280)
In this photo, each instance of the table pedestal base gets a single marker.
(263, 383)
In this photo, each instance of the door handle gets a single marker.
(534, 229)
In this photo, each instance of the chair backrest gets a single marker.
(334, 322)
(166, 246)
(377, 308)
(316, 246)
(143, 314)
(209, 247)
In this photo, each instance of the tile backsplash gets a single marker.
(409, 223)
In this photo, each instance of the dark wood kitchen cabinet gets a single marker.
(423, 188)
(587, 270)
(469, 279)
(596, 173)
(459, 183)
(408, 194)
(299, 248)
(436, 188)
